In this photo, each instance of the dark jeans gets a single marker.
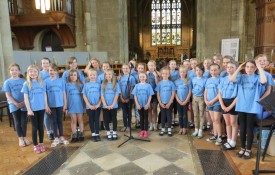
(247, 122)
(166, 115)
(37, 125)
(127, 113)
(20, 122)
(175, 106)
(143, 114)
(108, 116)
(57, 118)
(183, 118)
(94, 120)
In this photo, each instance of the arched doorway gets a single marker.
(51, 42)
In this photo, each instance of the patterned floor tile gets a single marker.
(111, 161)
(151, 163)
(172, 154)
(85, 168)
(171, 169)
(98, 152)
(127, 169)
(134, 153)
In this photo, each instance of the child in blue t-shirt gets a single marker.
(198, 105)
(45, 63)
(126, 84)
(72, 64)
(211, 100)
(12, 88)
(44, 73)
(165, 94)
(228, 96)
(183, 95)
(174, 75)
(109, 94)
(55, 88)
(249, 93)
(91, 95)
(226, 59)
(93, 63)
(75, 104)
(152, 75)
(142, 95)
(36, 102)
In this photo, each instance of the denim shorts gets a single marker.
(216, 108)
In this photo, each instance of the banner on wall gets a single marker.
(231, 47)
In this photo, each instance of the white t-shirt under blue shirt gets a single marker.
(55, 89)
(248, 94)
(227, 88)
(165, 89)
(198, 86)
(75, 103)
(142, 91)
(109, 94)
(36, 95)
(92, 90)
(14, 87)
(182, 89)
(212, 89)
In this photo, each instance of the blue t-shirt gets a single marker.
(212, 89)
(92, 91)
(191, 74)
(100, 78)
(269, 82)
(198, 85)
(182, 89)
(174, 75)
(36, 95)
(125, 90)
(248, 94)
(151, 80)
(206, 74)
(142, 91)
(55, 89)
(165, 89)
(14, 88)
(227, 88)
(65, 75)
(135, 75)
(223, 73)
(44, 74)
(75, 103)
(99, 72)
(109, 94)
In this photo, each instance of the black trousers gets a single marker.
(108, 116)
(143, 114)
(37, 125)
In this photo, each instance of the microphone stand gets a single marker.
(130, 137)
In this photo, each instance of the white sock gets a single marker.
(163, 129)
(196, 131)
(108, 133)
(232, 143)
(93, 134)
(114, 132)
(169, 129)
(200, 132)
(228, 140)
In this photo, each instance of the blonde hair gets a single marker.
(186, 79)
(165, 69)
(125, 65)
(152, 62)
(95, 59)
(78, 82)
(70, 61)
(113, 80)
(39, 79)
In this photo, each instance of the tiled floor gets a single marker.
(163, 155)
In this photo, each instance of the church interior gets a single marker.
(118, 31)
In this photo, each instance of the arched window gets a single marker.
(166, 22)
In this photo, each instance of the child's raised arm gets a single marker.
(233, 77)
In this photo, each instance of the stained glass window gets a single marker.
(166, 22)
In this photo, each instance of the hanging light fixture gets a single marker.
(43, 5)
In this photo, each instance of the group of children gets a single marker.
(213, 89)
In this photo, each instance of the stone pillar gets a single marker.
(6, 52)
(90, 25)
(123, 31)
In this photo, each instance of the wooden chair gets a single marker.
(4, 105)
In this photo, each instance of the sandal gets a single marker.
(247, 154)
(241, 153)
(227, 146)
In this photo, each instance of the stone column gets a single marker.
(6, 51)
(123, 31)
(90, 25)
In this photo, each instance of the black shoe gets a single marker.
(109, 137)
(98, 139)
(241, 153)
(50, 136)
(191, 125)
(74, 138)
(94, 138)
(81, 136)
